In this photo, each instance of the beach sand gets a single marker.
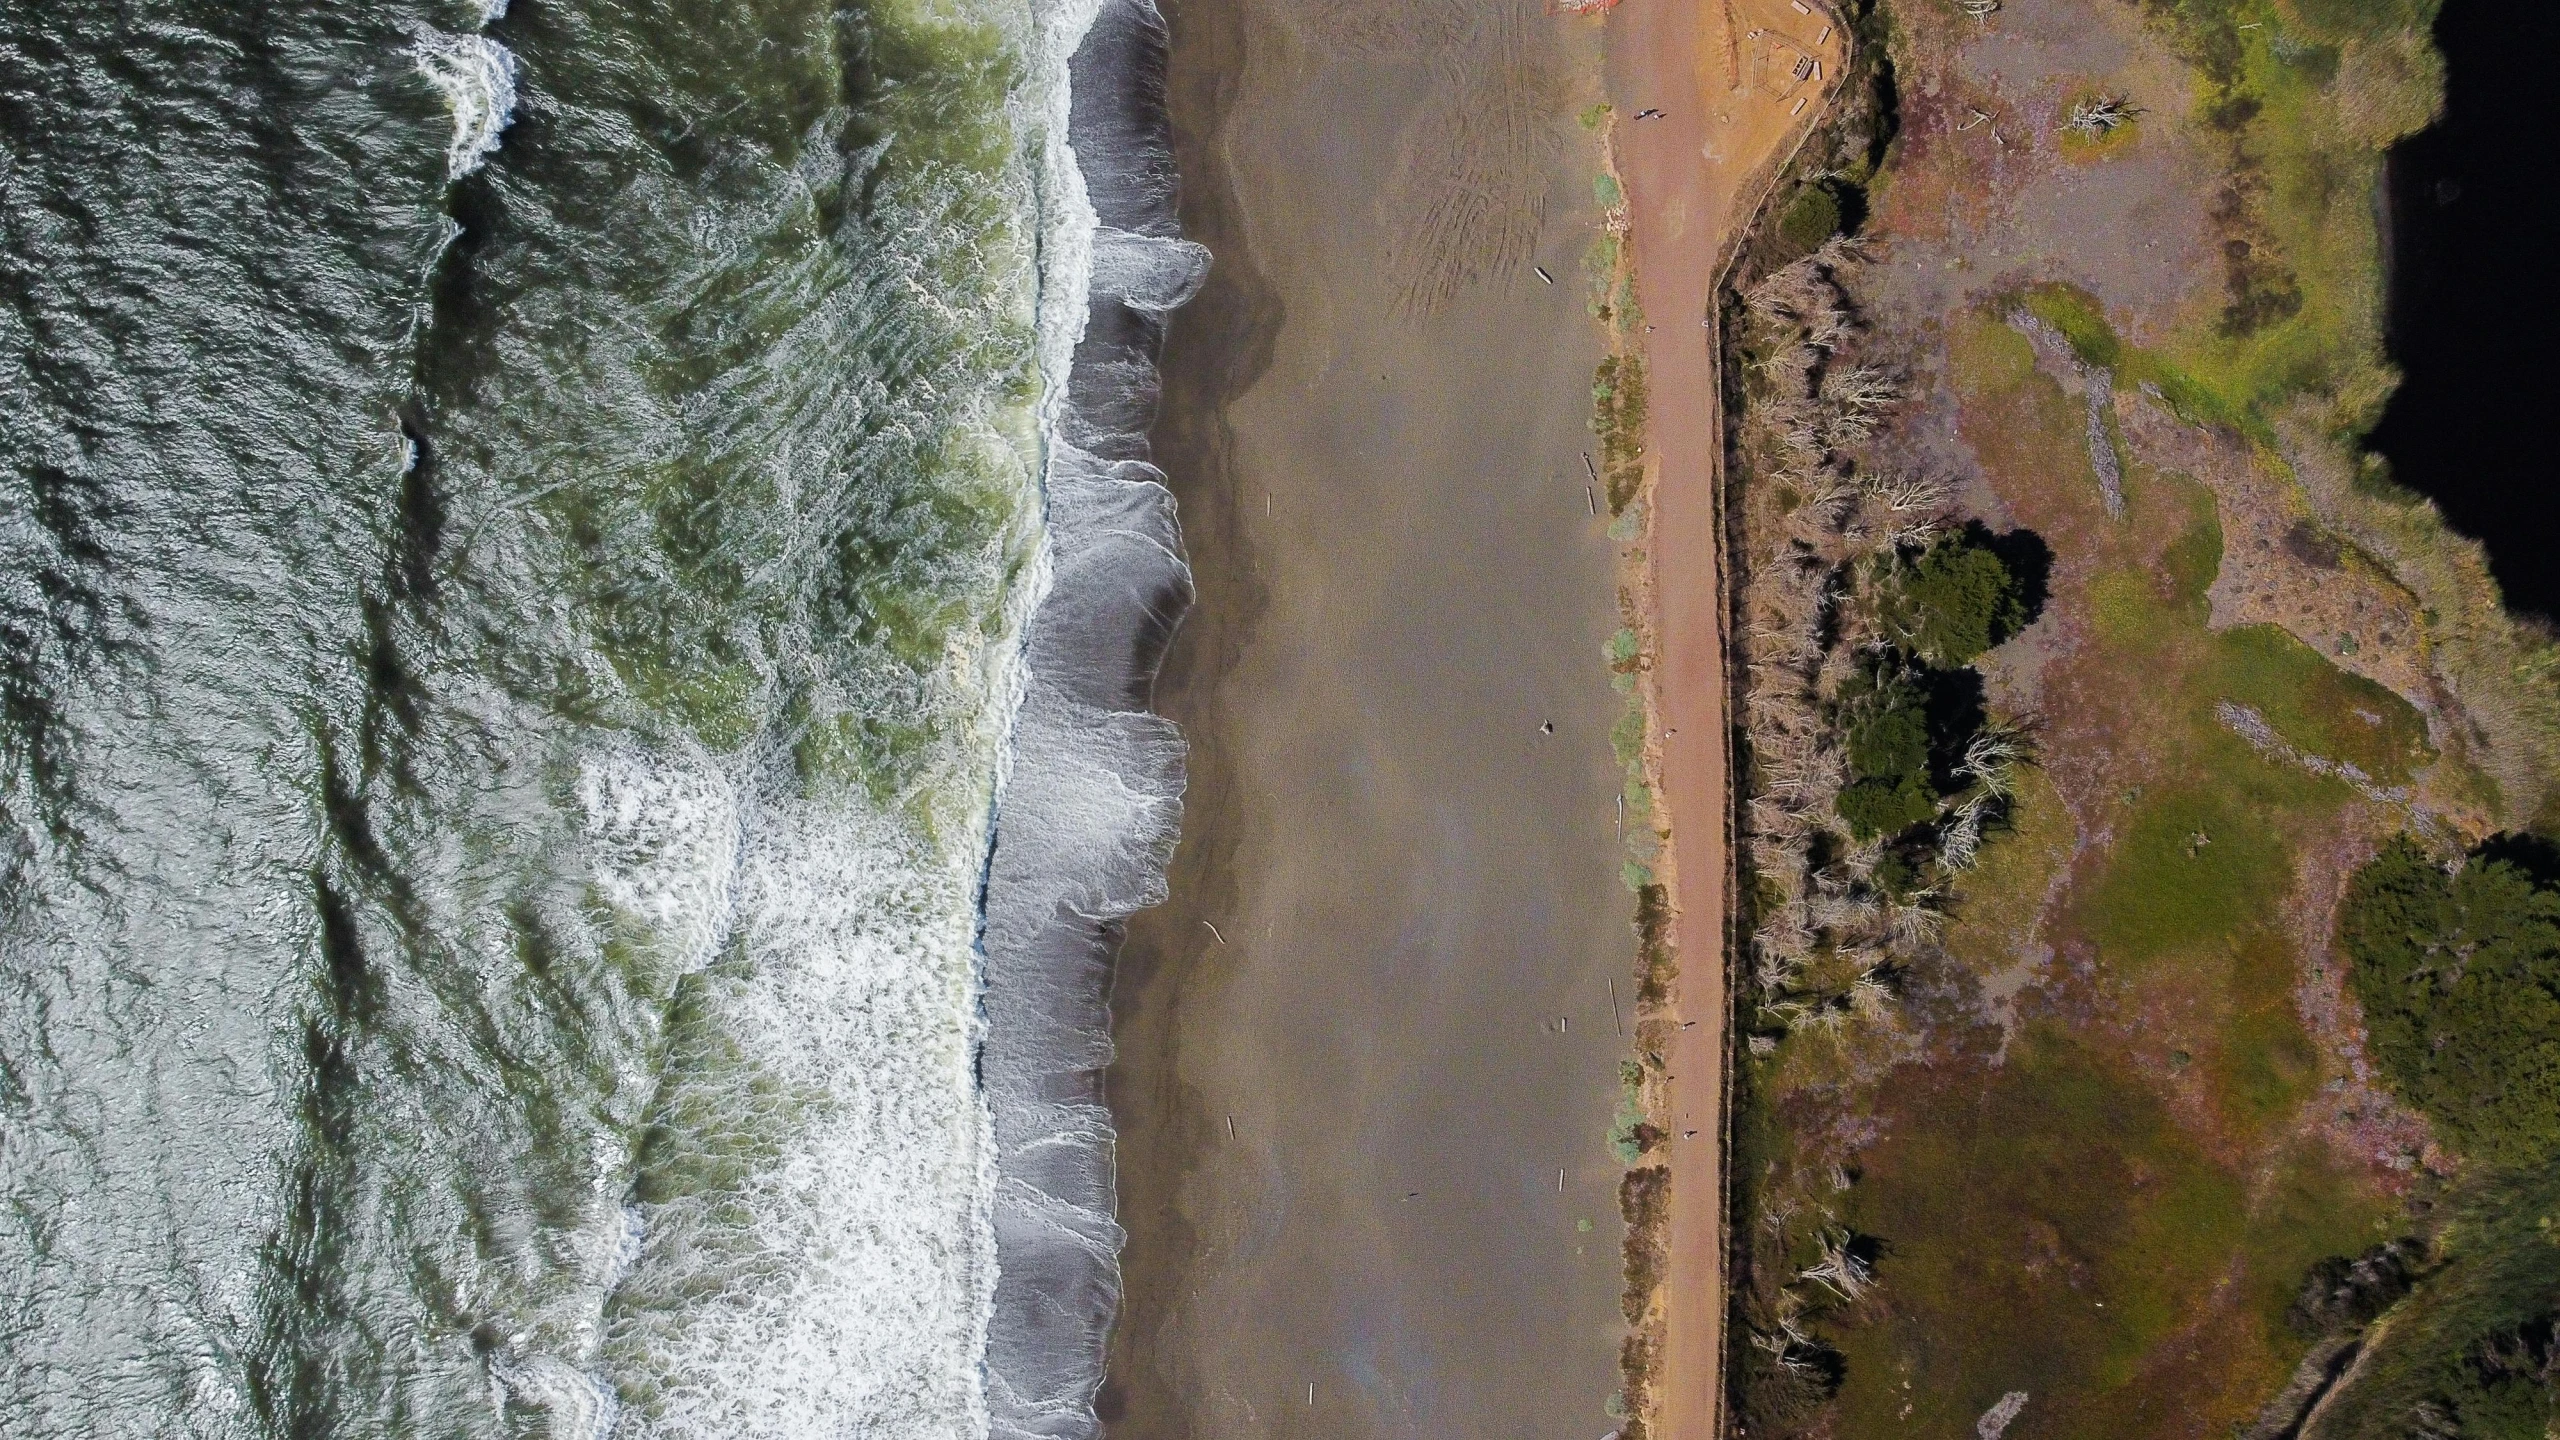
(1724, 74)
(1373, 1026)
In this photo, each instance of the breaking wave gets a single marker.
(572, 711)
(477, 78)
(1090, 810)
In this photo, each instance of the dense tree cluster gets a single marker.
(2459, 974)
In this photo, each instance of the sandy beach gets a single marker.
(1367, 1054)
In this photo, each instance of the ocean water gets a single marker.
(577, 585)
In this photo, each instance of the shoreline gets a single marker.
(1090, 788)
(1688, 221)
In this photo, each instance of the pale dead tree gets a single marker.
(2097, 115)
(1805, 444)
(1793, 648)
(1915, 495)
(1862, 388)
(1855, 869)
(1775, 975)
(1992, 756)
(1839, 1270)
(1801, 774)
(1870, 998)
(1914, 923)
(1825, 1016)
(1777, 707)
(1845, 914)
(1772, 817)
(1828, 328)
(1850, 426)
(1823, 522)
(1785, 1355)
(1839, 666)
(1839, 252)
(1788, 1012)
(1787, 293)
(1979, 9)
(1795, 357)
(1960, 840)
(1864, 959)
(1786, 1346)
(1779, 859)
(1916, 533)
(1779, 678)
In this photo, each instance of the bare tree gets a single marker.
(1840, 1270)
(2098, 115)
(1862, 388)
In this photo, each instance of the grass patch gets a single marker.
(1618, 410)
(2265, 1066)
(1998, 901)
(2044, 1233)
(2195, 862)
(2317, 707)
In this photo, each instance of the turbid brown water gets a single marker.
(1373, 1026)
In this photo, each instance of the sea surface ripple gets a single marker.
(520, 537)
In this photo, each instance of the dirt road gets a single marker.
(1738, 83)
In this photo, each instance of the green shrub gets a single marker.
(1890, 742)
(1886, 807)
(1812, 217)
(2459, 975)
(1958, 599)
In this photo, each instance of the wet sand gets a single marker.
(1723, 72)
(1373, 1026)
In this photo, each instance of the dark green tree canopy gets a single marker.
(1889, 790)
(2459, 975)
(1957, 599)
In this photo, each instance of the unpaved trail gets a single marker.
(1725, 74)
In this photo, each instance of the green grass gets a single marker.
(2083, 322)
(2265, 1066)
(2044, 1233)
(2195, 862)
(2317, 707)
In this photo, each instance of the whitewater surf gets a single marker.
(577, 590)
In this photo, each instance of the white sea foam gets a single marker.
(1092, 793)
(922, 1241)
(837, 1287)
(477, 77)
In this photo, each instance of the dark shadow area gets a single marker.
(2474, 300)
(2028, 558)
(1956, 714)
(2532, 854)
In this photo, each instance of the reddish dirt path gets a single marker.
(1724, 72)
